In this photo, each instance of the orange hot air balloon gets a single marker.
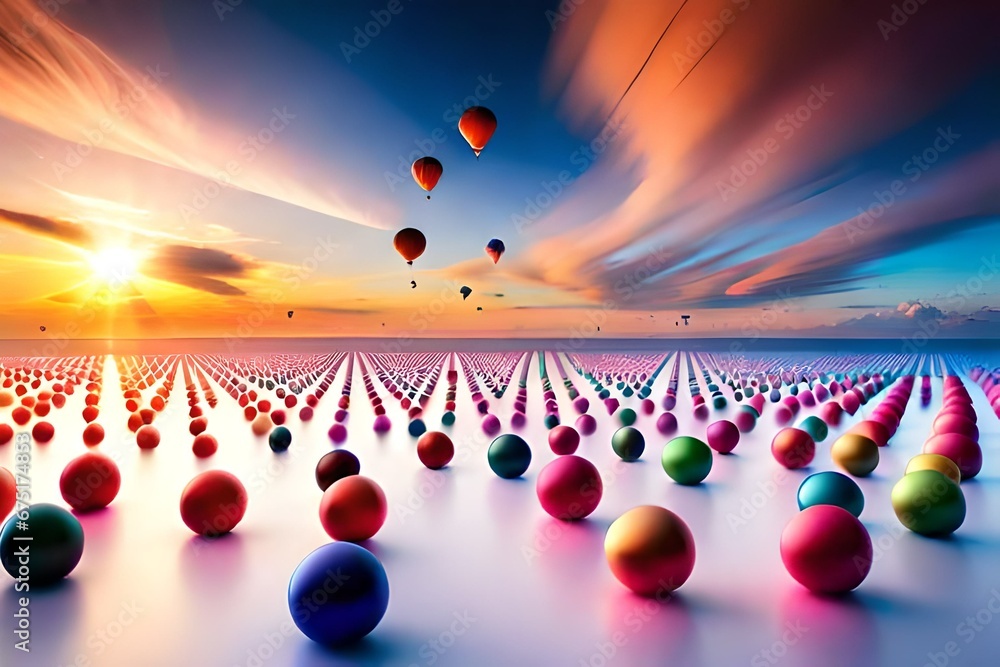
(477, 125)
(426, 172)
(410, 243)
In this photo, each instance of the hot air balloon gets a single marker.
(290, 313)
(495, 248)
(41, 328)
(477, 125)
(479, 307)
(466, 291)
(426, 172)
(410, 243)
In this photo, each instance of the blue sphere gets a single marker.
(338, 594)
(831, 488)
(417, 427)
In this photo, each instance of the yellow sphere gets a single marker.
(261, 424)
(855, 453)
(942, 464)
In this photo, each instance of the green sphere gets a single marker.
(54, 539)
(627, 416)
(927, 502)
(448, 418)
(509, 456)
(687, 460)
(719, 402)
(551, 421)
(628, 443)
(815, 427)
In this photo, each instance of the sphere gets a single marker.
(650, 550)
(90, 482)
(6, 434)
(873, 430)
(831, 488)
(509, 456)
(666, 423)
(551, 420)
(336, 465)
(280, 439)
(569, 488)
(338, 594)
(337, 433)
(627, 416)
(448, 418)
(213, 503)
(517, 420)
(198, 425)
(815, 427)
(93, 435)
(261, 424)
(723, 436)
(793, 448)
(564, 440)
(831, 413)
(204, 445)
(43, 432)
(416, 427)
(826, 549)
(927, 502)
(586, 424)
(56, 543)
(628, 443)
(8, 492)
(353, 509)
(435, 449)
(745, 419)
(491, 424)
(965, 452)
(855, 453)
(147, 437)
(942, 464)
(686, 460)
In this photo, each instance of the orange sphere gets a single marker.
(941, 464)
(650, 550)
(353, 509)
(855, 453)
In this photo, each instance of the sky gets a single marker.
(200, 168)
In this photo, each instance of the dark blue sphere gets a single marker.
(338, 594)
(54, 539)
(280, 439)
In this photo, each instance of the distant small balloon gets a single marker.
(41, 328)
(495, 249)
(466, 291)
(479, 307)
(290, 313)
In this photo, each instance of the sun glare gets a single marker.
(115, 265)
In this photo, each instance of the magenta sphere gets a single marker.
(826, 549)
(382, 424)
(666, 423)
(831, 413)
(745, 419)
(491, 424)
(723, 436)
(569, 488)
(564, 440)
(964, 451)
(850, 402)
(586, 424)
(518, 420)
(581, 404)
(337, 433)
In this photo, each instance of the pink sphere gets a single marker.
(745, 421)
(850, 402)
(569, 488)
(491, 424)
(964, 451)
(564, 440)
(954, 423)
(831, 413)
(337, 433)
(782, 415)
(666, 423)
(793, 448)
(581, 404)
(381, 424)
(723, 436)
(826, 549)
(517, 420)
(586, 424)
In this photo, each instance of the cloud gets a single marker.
(205, 269)
(53, 228)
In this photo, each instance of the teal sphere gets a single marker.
(448, 418)
(628, 443)
(687, 460)
(627, 416)
(551, 421)
(509, 456)
(817, 428)
(831, 488)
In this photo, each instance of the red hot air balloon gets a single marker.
(410, 243)
(477, 125)
(495, 248)
(426, 172)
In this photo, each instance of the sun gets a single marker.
(115, 265)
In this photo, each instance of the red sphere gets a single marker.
(435, 449)
(831, 413)
(306, 413)
(147, 437)
(213, 503)
(964, 451)
(955, 423)
(8, 493)
(42, 408)
(826, 549)
(21, 415)
(564, 440)
(90, 413)
(6, 434)
(793, 448)
(90, 482)
(204, 445)
(198, 425)
(874, 430)
(353, 509)
(93, 435)
(723, 436)
(569, 488)
(43, 432)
